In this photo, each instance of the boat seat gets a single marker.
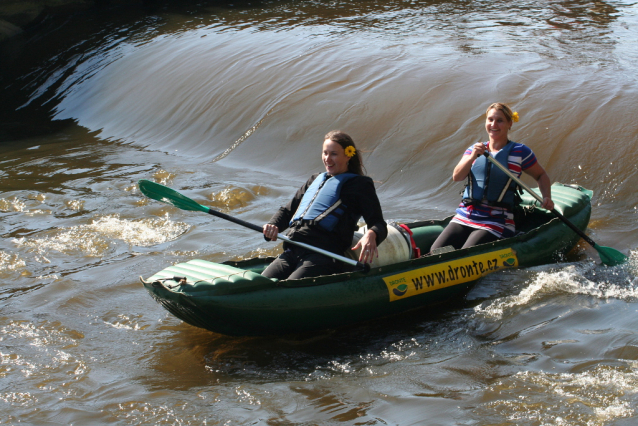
(441, 250)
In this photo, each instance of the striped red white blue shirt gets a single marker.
(496, 220)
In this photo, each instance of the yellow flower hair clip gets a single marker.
(350, 151)
(515, 117)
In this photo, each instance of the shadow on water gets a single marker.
(37, 62)
(192, 357)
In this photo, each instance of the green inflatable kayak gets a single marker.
(232, 298)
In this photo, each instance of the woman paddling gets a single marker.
(486, 212)
(324, 213)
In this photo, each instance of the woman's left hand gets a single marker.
(544, 184)
(368, 245)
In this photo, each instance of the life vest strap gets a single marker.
(470, 202)
(330, 210)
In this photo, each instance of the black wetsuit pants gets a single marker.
(297, 262)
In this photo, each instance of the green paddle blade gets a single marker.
(610, 256)
(170, 196)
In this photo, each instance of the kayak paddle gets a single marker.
(608, 255)
(167, 195)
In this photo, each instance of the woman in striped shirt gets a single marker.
(485, 214)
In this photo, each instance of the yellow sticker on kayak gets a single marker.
(446, 274)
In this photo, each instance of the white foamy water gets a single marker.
(10, 261)
(13, 204)
(596, 397)
(620, 282)
(96, 239)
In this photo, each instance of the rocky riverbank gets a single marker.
(18, 15)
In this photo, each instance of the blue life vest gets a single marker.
(321, 204)
(489, 184)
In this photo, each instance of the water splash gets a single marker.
(593, 397)
(126, 322)
(77, 205)
(602, 282)
(231, 197)
(96, 239)
(10, 261)
(12, 205)
(163, 177)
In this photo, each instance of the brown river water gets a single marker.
(228, 103)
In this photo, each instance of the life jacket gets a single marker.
(321, 204)
(489, 184)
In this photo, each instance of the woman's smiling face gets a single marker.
(334, 158)
(496, 124)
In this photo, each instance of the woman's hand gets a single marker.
(548, 203)
(544, 184)
(368, 244)
(270, 232)
(465, 165)
(477, 150)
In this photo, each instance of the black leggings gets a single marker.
(460, 236)
(296, 262)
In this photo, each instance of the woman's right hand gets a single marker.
(465, 165)
(270, 232)
(478, 149)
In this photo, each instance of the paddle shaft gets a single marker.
(254, 227)
(540, 199)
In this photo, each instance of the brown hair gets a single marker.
(355, 164)
(504, 108)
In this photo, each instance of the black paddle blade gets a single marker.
(170, 196)
(610, 256)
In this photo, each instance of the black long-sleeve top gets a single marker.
(360, 197)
